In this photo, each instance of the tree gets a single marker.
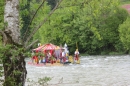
(93, 24)
(13, 51)
(1, 14)
(25, 17)
(124, 32)
(14, 64)
(52, 3)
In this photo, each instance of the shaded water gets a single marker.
(93, 71)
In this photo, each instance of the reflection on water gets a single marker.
(93, 71)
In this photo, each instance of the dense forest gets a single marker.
(95, 27)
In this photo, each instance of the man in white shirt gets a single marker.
(63, 56)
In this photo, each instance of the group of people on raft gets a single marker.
(55, 56)
(49, 57)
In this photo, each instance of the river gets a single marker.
(92, 71)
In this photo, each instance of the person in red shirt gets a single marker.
(76, 55)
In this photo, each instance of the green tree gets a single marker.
(124, 32)
(25, 17)
(14, 48)
(108, 29)
(1, 14)
(91, 24)
(52, 3)
(1, 28)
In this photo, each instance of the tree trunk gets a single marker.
(14, 69)
(14, 64)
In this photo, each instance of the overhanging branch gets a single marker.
(4, 37)
(26, 48)
(33, 18)
(34, 31)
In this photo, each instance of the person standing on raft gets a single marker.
(76, 55)
(63, 56)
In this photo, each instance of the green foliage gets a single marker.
(9, 81)
(1, 28)
(92, 24)
(42, 13)
(17, 73)
(27, 12)
(109, 31)
(52, 3)
(124, 30)
(1, 14)
(3, 50)
(1, 41)
(125, 1)
(44, 81)
(41, 54)
(25, 17)
(10, 56)
(41, 81)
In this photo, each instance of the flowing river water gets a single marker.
(92, 71)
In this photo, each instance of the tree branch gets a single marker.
(34, 31)
(26, 48)
(33, 18)
(4, 37)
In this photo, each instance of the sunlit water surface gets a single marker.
(93, 71)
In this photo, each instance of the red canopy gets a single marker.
(46, 47)
(39, 48)
(49, 47)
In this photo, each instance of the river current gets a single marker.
(92, 71)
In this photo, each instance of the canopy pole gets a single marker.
(76, 45)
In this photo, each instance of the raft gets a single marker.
(72, 60)
(47, 64)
